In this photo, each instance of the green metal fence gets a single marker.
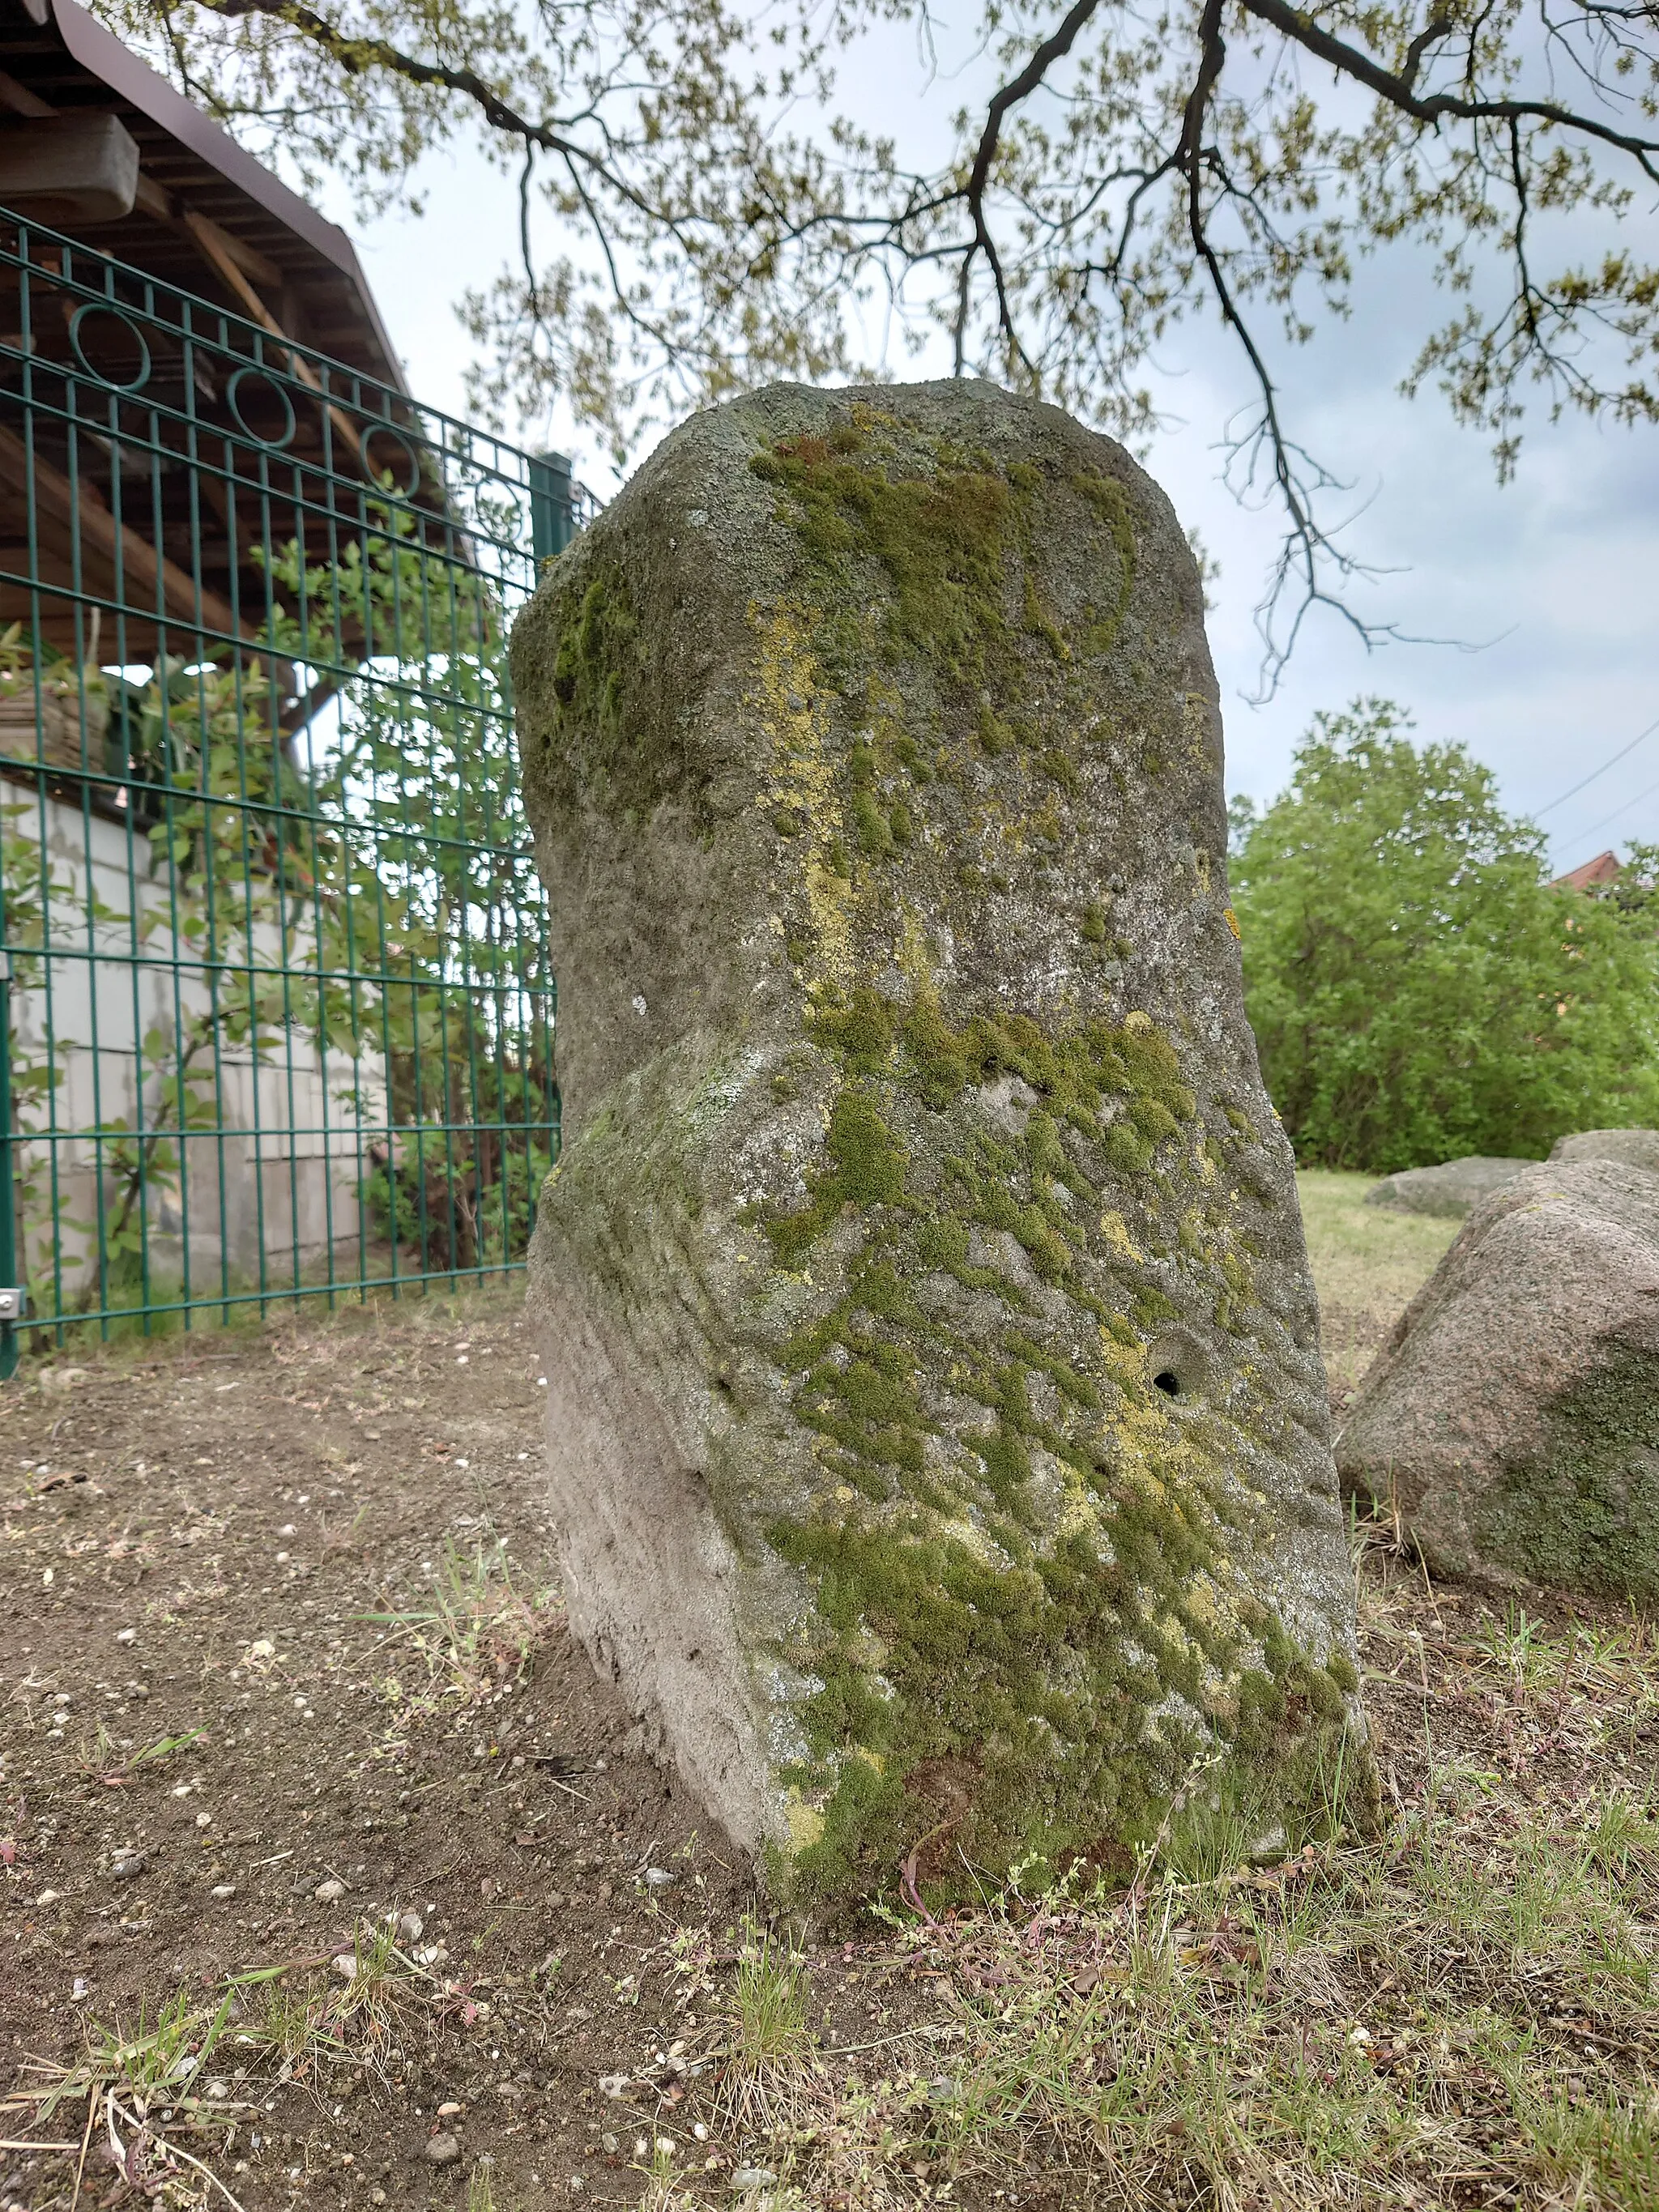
(276, 1014)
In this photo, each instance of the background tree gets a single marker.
(1128, 163)
(1418, 991)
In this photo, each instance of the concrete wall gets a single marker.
(278, 1180)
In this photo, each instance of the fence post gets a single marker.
(11, 1295)
(552, 508)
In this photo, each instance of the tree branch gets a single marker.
(1019, 89)
(1440, 106)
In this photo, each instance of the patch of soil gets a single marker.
(283, 1665)
(282, 1661)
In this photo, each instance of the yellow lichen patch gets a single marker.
(805, 1822)
(1079, 1511)
(1116, 1231)
(1230, 919)
(804, 780)
(1156, 1456)
(1206, 1606)
(1195, 724)
(914, 953)
(1125, 1366)
(959, 1529)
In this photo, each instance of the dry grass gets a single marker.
(1462, 2012)
(161, 2102)
(1368, 1265)
(477, 1627)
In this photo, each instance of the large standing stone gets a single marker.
(1513, 1416)
(937, 1427)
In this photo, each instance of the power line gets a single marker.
(1584, 835)
(1540, 812)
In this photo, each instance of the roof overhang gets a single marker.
(56, 60)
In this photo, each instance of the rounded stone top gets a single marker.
(1635, 1148)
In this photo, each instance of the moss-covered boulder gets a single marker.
(936, 1420)
(1512, 1421)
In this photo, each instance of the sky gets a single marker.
(1544, 590)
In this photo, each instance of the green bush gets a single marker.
(1417, 990)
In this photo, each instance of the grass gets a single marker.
(1464, 2010)
(133, 2096)
(149, 2097)
(772, 2001)
(1368, 1264)
(478, 1626)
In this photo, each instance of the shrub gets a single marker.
(1417, 990)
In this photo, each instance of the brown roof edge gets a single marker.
(1605, 868)
(102, 54)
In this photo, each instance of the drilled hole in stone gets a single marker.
(1168, 1382)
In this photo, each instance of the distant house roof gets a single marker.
(207, 216)
(1605, 868)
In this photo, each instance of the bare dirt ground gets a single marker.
(283, 1662)
(331, 1876)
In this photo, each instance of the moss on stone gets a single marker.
(949, 1614)
(1584, 1513)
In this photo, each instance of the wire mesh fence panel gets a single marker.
(280, 1014)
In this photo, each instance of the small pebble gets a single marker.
(753, 2176)
(448, 2111)
(327, 1892)
(658, 1878)
(410, 1926)
(442, 2150)
(49, 1896)
(223, 1889)
(129, 1864)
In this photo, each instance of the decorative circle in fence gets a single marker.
(234, 400)
(372, 434)
(78, 322)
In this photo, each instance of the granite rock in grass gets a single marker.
(1512, 1418)
(938, 1428)
(1452, 1188)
